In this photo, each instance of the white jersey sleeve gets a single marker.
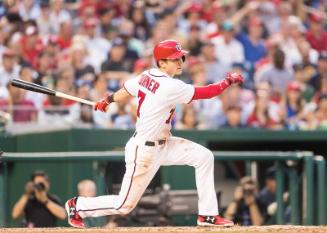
(180, 92)
(132, 86)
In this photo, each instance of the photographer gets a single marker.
(244, 209)
(41, 209)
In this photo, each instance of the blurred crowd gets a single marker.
(86, 48)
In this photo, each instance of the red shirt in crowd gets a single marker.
(317, 43)
(30, 54)
(23, 111)
(254, 121)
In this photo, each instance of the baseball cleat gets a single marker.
(73, 217)
(214, 221)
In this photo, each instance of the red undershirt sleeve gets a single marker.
(212, 90)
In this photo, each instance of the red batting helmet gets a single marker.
(168, 49)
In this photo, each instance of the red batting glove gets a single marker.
(234, 78)
(102, 104)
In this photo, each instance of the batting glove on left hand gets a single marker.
(102, 104)
(235, 78)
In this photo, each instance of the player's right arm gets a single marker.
(120, 95)
(129, 90)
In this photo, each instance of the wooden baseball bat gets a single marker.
(44, 90)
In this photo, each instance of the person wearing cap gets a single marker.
(316, 34)
(120, 62)
(31, 45)
(294, 105)
(228, 50)
(29, 10)
(267, 198)
(97, 46)
(9, 67)
(321, 112)
(152, 144)
(321, 74)
(215, 68)
(277, 74)
(58, 14)
(252, 40)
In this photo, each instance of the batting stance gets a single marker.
(152, 144)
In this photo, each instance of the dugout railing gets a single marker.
(305, 172)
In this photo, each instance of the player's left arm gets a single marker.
(120, 95)
(215, 89)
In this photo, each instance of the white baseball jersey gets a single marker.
(157, 95)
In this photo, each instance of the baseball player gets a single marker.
(152, 144)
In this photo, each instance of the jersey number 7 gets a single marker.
(141, 96)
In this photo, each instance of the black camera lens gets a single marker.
(39, 186)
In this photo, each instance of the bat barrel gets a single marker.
(32, 87)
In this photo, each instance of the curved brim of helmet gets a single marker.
(178, 54)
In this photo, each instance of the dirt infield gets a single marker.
(237, 229)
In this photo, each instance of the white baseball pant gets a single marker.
(142, 163)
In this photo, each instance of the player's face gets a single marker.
(173, 67)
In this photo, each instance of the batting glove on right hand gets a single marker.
(234, 78)
(102, 104)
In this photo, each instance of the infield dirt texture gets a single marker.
(236, 229)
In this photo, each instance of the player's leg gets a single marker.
(141, 166)
(180, 151)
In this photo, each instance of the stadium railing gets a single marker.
(285, 163)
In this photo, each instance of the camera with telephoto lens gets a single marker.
(39, 186)
(248, 191)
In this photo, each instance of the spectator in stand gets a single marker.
(190, 17)
(141, 28)
(123, 118)
(290, 38)
(276, 74)
(188, 119)
(267, 199)
(96, 45)
(194, 41)
(65, 34)
(321, 112)
(252, 41)
(58, 14)
(84, 87)
(119, 63)
(22, 110)
(40, 208)
(233, 117)
(302, 74)
(321, 74)
(213, 66)
(29, 75)
(267, 195)
(227, 48)
(294, 105)
(244, 209)
(43, 21)
(29, 10)
(46, 68)
(107, 24)
(262, 112)
(317, 34)
(9, 67)
(79, 61)
(31, 45)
